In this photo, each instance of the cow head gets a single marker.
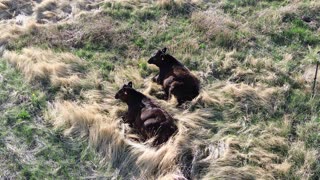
(123, 93)
(157, 57)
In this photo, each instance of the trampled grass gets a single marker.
(254, 118)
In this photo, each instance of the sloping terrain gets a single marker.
(62, 63)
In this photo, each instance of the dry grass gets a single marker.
(187, 153)
(193, 152)
(253, 100)
(226, 132)
(222, 29)
(100, 124)
(46, 68)
(304, 158)
(25, 17)
(10, 31)
(214, 23)
(91, 29)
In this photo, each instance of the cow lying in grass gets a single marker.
(145, 117)
(174, 77)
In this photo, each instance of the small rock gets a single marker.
(21, 19)
(306, 19)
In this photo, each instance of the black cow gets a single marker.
(174, 77)
(145, 117)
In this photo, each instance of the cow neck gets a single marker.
(171, 61)
(135, 98)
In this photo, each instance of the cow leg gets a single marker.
(151, 122)
(173, 89)
(156, 79)
(167, 84)
(165, 133)
(152, 126)
(150, 113)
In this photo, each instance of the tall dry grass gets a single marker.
(22, 17)
(100, 124)
(49, 69)
(203, 146)
(193, 152)
(221, 28)
(211, 143)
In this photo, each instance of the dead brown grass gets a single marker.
(100, 124)
(207, 146)
(46, 68)
(236, 149)
(215, 23)
(191, 150)
(222, 29)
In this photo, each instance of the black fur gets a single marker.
(174, 77)
(145, 117)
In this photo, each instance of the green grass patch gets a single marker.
(23, 114)
(119, 11)
(22, 128)
(298, 32)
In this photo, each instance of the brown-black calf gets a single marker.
(174, 77)
(145, 117)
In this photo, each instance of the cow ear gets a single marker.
(163, 53)
(164, 50)
(162, 56)
(130, 84)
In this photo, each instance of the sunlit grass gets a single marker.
(255, 117)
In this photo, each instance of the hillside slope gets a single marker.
(62, 62)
